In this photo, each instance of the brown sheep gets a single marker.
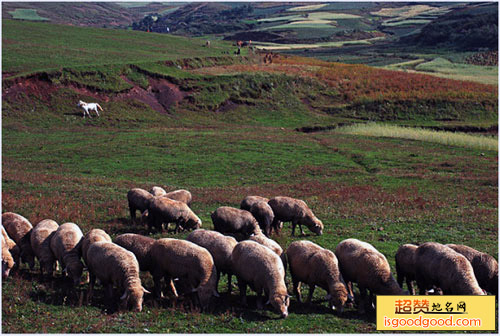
(316, 266)
(260, 268)
(264, 216)
(361, 263)
(235, 221)
(166, 210)
(248, 201)
(7, 260)
(180, 195)
(115, 266)
(485, 267)
(12, 246)
(140, 246)
(40, 243)
(192, 264)
(220, 247)
(440, 266)
(287, 209)
(138, 199)
(91, 237)
(19, 229)
(405, 266)
(157, 191)
(66, 245)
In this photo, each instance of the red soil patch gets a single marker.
(30, 86)
(160, 94)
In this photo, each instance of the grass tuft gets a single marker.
(442, 137)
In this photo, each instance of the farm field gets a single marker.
(224, 127)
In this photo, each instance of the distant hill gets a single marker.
(93, 14)
(470, 28)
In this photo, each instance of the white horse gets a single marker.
(89, 107)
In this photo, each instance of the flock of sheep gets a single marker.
(240, 245)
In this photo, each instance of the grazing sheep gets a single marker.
(7, 260)
(180, 195)
(264, 216)
(260, 268)
(138, 199)
(12, 246)
(361, 263)
(140, 246)
(235, 221)
(485, 267)
(405, 266)
(247, 202)
(287, 209)
(271, 244)
(115, 266)
(66, 245)
(91, 237)
(19, 229)
(166, 210)
(220, 247)
(40, 243)
(192, 264)
(316, 266)
(157, 191)
(440, 266)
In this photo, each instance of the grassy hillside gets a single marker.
(180, 115)
(66, 46)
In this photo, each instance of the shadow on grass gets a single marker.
(123, 225)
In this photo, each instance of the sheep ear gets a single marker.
(288, 296)
(268, 302)
(145, 290)
(124, 296)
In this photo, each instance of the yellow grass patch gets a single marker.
(408, 11)
(420, 134)
(306, 8)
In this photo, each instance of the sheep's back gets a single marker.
(140, 246)
(17, 226)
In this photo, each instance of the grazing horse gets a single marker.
(89, 107)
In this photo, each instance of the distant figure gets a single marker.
(87, 107)
(239, 51)
(168, 30)
(240, 44)
(207, 44)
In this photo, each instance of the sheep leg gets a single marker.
(296, 289)
(362, 300)
(409, 283)
(90, 291)
(229, 276)
(132, 211)
(170, 283)
(275, 226)
(157, 284)
(260, 304)
(421, 286)
(311, 291)
(293, 227)
(243, 291)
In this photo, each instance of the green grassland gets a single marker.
(443, 67)
(232, 135)
(75, 46)
(27, 14)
